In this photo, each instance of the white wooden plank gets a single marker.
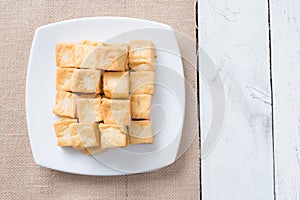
(285, 35)
(235, 36)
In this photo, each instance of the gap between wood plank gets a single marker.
(198, 94)
(271, 87)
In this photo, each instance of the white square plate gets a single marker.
(167, 111)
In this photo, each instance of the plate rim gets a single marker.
(28, 76)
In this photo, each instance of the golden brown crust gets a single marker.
(92, 43)
(141, 132)
(127, 63)
(116, 84)
(78, 80)
(86, 81)
(140, 106)
(62, 124)
(63, 79)
(75, 139)
(113, 135)
(113, 57)
(141, 52)
(142, 82)
(79, 70)
(92, 55)
(143, 67)
(65, 55)
(61, 128)
(84, 135)
(88, 110)
(138, 140)
(65, 104)
(115, 111)
(84, 56)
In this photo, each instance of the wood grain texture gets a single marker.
(285, 35)
(235, 36)
(20, 177)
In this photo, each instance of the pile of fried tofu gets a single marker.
(104, 94)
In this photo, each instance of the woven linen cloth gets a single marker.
(20, 177)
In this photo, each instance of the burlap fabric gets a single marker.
(20, 177)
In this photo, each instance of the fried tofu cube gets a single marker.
(76, 54)
(86, 81)
(143, 67)
(65, 55)
(115, 111)
(113, 135)
(141, 132)
(61, 128)
(88, 110)
(65, 104)
(141, 52)
(116, 84)
(110, 57)
(78, 80)
(85, 56)
(142, 82)
(64, 79)
(113, 57)
(84, 135)
(140, 106)
(93, 150)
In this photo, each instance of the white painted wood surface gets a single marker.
(285, 42)
(235, 36)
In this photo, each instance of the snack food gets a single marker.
(113, 135)
(141, 52)
(116, 84)
(65, 54)
(78, 80)
(100, 103)
(84, 135)
(88, 110)
(142, 82)
(62, 132)
(143, 67)
(86, 81)
(111, 57)
(64, 78)
(140, 106)
(115, 111)
(65, 104)
(141, 132)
